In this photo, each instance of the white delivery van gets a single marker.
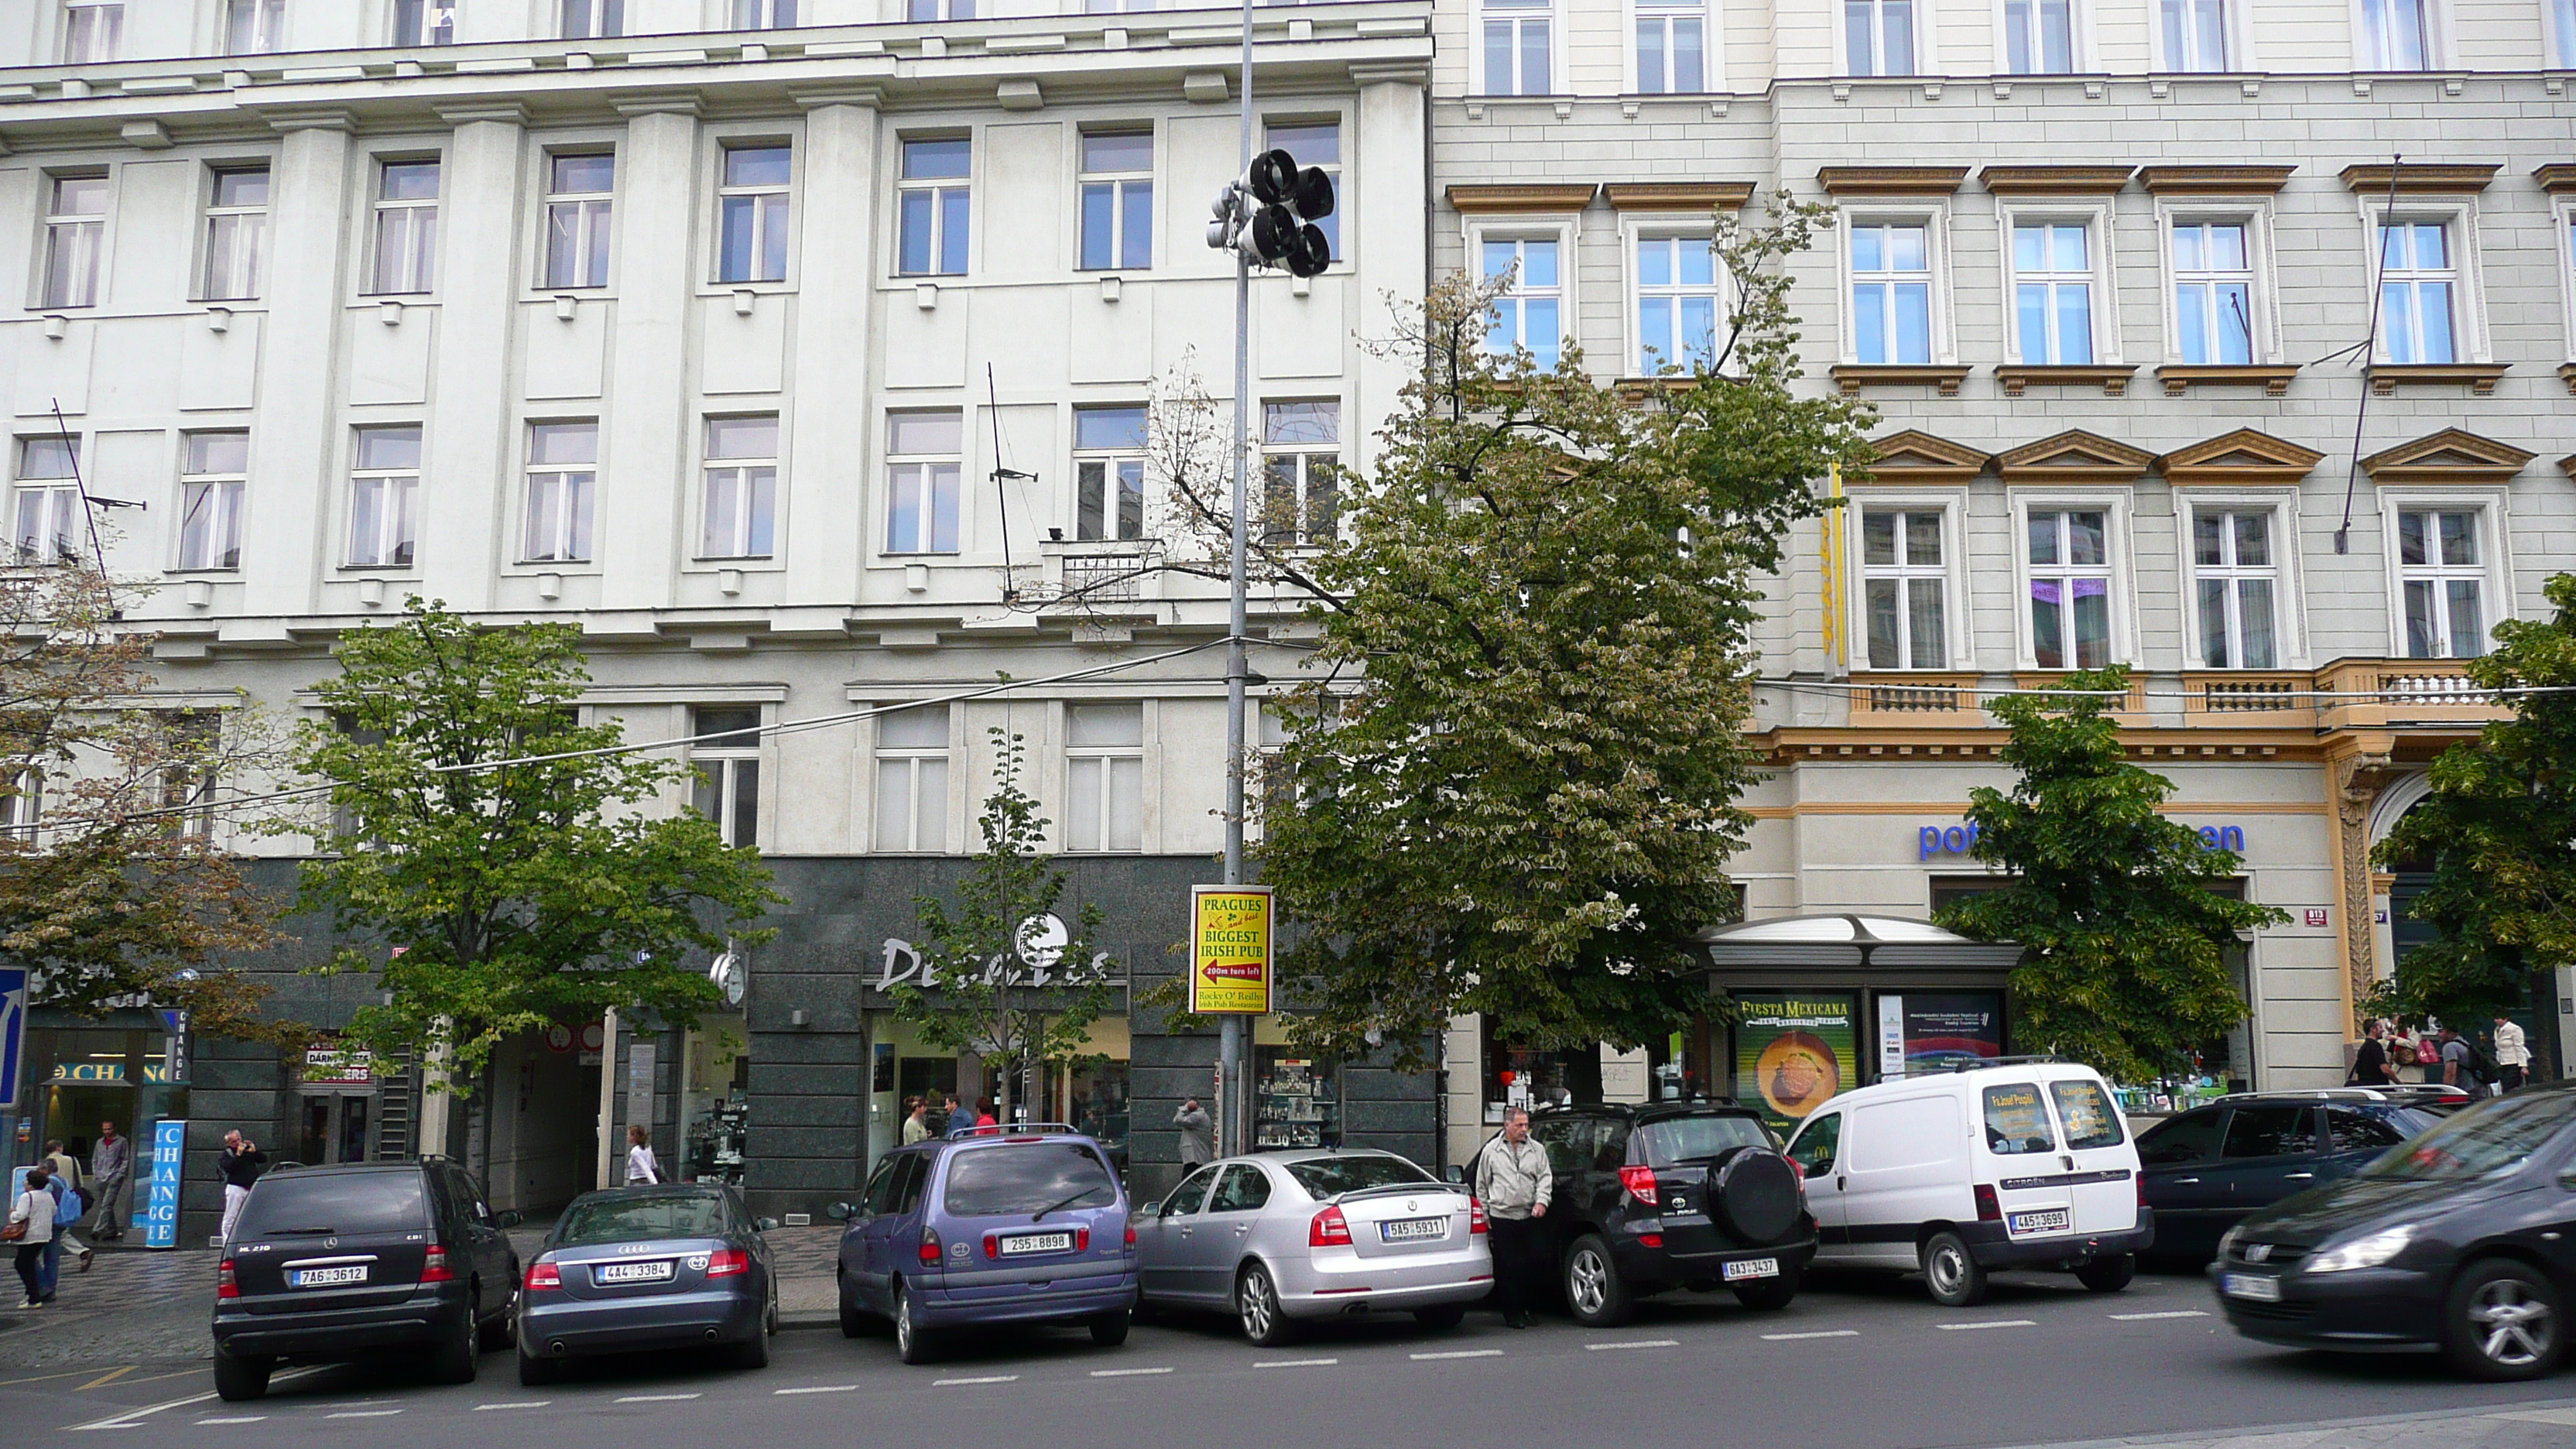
(1956, 1173)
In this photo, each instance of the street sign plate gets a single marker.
(13, 1034)
(1230, 949)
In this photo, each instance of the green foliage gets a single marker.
(1515, 794)
(2115, 906)
(509, 895)
(978, 992)
(2500, 828)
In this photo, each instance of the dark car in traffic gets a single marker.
(2461, 1240)
(334, 1264)
(629, 1270)
(2205, 1170)
(1651, 1198)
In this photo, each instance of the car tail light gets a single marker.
(225, 1286)
(929, 1253)
(1650, 1240)
(1988, 1210)
(2142, 1189)
(992, 1245)
(1476, 1221)
(725, 1262)
(1131, 1235)
(542, 1275)
(1082, 1240)
(434, 1269)
(1640, 1182)
(1329, 1230)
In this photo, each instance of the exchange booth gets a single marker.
(1827, 1003)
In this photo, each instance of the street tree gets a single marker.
(993, 979)
(1510, 786)
(2500, 829)
(2118, 909)
(496, 864)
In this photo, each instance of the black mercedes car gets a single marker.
(2461, 1240)
(2206, 1169)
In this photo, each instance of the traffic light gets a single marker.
(1268, 217)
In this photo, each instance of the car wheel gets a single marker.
(2504, 1322)
(1952, 1272)
(1256, 1302)
(911, 1340)
(1446, 1316)
(238, 1379)
(1592, 1286)
(753, 1352)
(502, 1332)
(1769, 1295)
(2107, 1275)
(535, 1372)
(455, 1361)
(1109, 1329)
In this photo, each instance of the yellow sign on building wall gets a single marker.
(1230, 949)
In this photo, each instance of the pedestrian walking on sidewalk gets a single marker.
(31, 1224)
(985, 1123)
(1198, 1134)
(1514, 1182)
(2370, 1065)
(62, 1166)
(916, 1121)
(111, 1162)
(241, 1164)
(642, 1168)
(2512, 1054)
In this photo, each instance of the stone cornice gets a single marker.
(1891, 180)
(1522, 200)
(2055, 180)
(2414, 179)
(1679, 195)
(2215, 180)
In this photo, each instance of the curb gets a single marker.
(791, 1322)
(2247, 1431)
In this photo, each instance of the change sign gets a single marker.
(1230, 949)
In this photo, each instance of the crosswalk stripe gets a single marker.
(238, 1419)
(1126, 1373)
(1819, 1333)
(654, 1398)
(514, 1404)
(1463, 1353)
(1295, 1362)
(1633, 1343)
(985, 1379)
(821, 1389)
(1988, 1323)
(2173, 1313)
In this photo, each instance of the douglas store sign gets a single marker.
(1933, 841)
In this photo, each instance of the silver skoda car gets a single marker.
(1282, 1237)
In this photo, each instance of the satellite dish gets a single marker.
(1042, 941)
(732, 976)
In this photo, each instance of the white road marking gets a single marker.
(1819, 1333)
(985, 1379)
(656, 1398)
(2538, 1416)
(1632, 1343)
(1295, 1362)
(125, 1420)
(1463, 1353)
(357, 1403)
(513, 1404)
(2144, 1317)
(238, 1419)
(1988, 1323)
(364, 1414)
(821, 1389)
(1126, 1373)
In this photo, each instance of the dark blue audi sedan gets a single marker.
(632, 1269)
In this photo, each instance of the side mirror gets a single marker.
(765, 1224)
(1454, 1173)
(1149, 1210)
(509, 1218)
(840, 1212)
(2567, 1178)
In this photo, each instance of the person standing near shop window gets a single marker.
(110, 1163)
(2370, 1064)
(916, 1121)
(642, 1169)
(1198, 1134)
(1515, 1181)
(2512, 1054)
(241, 1164)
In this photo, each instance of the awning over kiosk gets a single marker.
(1853, 950)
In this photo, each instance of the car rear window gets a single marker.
(2485, 1137)
(342, 1204)
(2084, 1110)
(2015, 1122)
(2187, 1138)
(1027, 1177)
(638, 1219)
(1325, 1177)
(1691, 1139)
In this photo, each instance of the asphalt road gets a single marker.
(1855, 1361)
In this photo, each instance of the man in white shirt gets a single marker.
(2512, 1054)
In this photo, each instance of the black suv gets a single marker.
(330, 1264)
(2206, 1169)
(1671, 1195)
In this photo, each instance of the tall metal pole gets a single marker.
(1234, 1101)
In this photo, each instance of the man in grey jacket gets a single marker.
(1198, 1134)
(111, 1162)
(1514, 1181)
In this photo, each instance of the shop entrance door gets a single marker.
(333, 1127)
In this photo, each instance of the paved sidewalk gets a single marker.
(2545, 1424)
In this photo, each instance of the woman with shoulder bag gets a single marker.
(31, 1227)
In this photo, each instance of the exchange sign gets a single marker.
(1230, 949)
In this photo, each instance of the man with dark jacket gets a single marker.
(111, 1162)
(241, 1164)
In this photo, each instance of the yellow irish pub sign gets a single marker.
(1230, 949)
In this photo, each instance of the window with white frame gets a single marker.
(1532, 313)
(751, 214)
(1672, 47)
(236, 233)
(2562, 15)
(2195, 34)
(1891, 272)
(254, 27)
(593, 19)
(1677, 303)
(75, 239)
(22, 805)
(383, 495)
(2039, 37)
(194, 739)
(51, 523)
(2213, 271)
(764, 14)
(1517, 35)
(1878, 37)
(2442, 571)
(724, 748)
(1905, 588)
(2069, 560)
(922, 12)
(1109, 473)
(563, 475)
(1301, 465)
(1104, 776)
(212, 478)
(93, 31)
(741, 517)
(934, 204)
(580, 194)
(406, 227)
(1117, 185)
(923, 449)
(2419, 288)
(912, 779)
(2053, 292)
(1319, 144)
(2393, 35)
(2236, 575)
(424, 22)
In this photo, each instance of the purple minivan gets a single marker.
(1027, 1225)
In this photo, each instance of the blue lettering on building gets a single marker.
(161, 1188)
(1938, 840)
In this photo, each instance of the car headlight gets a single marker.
(2370, 1252)
(2227, 1244)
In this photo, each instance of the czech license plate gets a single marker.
(2039, 1220)
(330, 1277)
(2259, 1287)
(1406, 1230)
(1037, 1243)
(1751, 1268)
(658, 1271)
